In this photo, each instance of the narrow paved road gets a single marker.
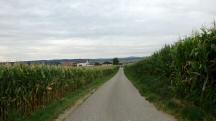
(117, 100)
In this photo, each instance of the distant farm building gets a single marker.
(80, 62)
(83, 63)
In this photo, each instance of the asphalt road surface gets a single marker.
(117, 100)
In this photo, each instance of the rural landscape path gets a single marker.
(117, 100)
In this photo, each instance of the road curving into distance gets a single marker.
(117, 100)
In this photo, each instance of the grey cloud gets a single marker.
(33, 29)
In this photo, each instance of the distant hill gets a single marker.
(122, 60)
(91, 61)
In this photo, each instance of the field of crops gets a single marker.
(25, 88)
(186, 70)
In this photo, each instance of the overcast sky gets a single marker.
(52, 29)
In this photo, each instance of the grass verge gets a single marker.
(155, 90)
(52, 111)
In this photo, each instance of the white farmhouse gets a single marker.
(83, 63)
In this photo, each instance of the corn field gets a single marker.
(25, 88)
(189, 66)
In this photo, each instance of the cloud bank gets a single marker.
(50, 29)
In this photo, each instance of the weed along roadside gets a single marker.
(41, 92)
(180, 78)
